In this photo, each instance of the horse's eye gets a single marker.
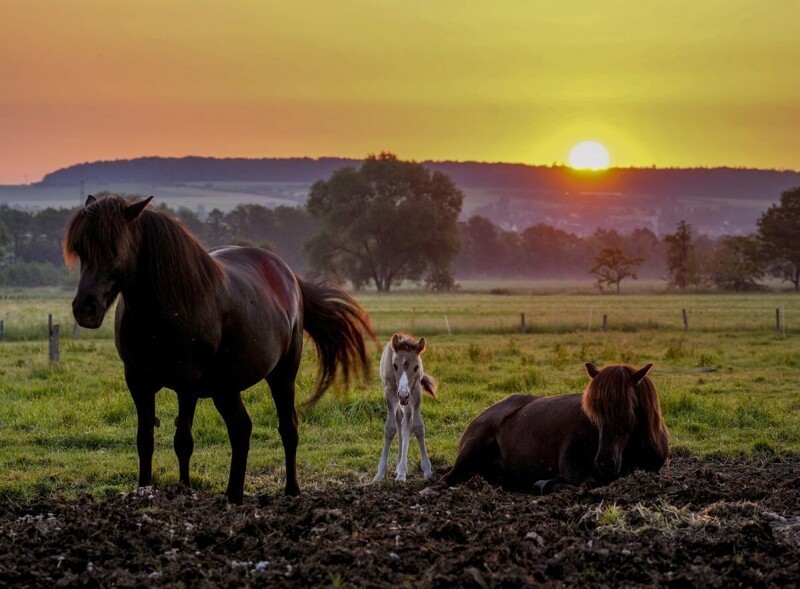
(416, 368)
(394, 366)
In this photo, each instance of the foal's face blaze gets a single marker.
(407, 374)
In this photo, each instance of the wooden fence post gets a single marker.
(2, 329)
(778, 320)
(522, 322)
(605, 323)
(52, 331)
(685, 320)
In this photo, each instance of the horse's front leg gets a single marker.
(144, 398)
(547, 486)
(184, 441)
(418, 429)
(240, 426)
(405, 437)
(389, 431)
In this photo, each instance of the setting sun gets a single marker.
(589, 155)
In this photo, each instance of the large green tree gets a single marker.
(736, 263)
(387, 221)
(779, 232)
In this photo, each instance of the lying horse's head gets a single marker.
(100, 235)
(407, 364)
(623, 403)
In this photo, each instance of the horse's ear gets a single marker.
(421, 345)
(395, 341)
(592, 369)
(134, 210)
(637, 376)
(90, 200)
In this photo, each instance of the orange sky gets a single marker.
(679, 82)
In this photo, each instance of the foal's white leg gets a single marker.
(405, 437)
(418, 428)
(389, 430)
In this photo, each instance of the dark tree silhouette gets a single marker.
(681, 262)
(779, 232)
(612, 266)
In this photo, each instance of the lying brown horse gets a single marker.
(544, 444)
(206, 325)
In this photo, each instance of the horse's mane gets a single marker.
(611, 397)
(405, 343)
(181, 273)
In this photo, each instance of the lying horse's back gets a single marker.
(581, 439)
(520, 440)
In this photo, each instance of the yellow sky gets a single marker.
(679, 82)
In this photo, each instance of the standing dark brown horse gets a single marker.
(206, 325)
(544, 444)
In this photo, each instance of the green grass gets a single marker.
(729, 386)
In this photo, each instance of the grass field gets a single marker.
(728, 386)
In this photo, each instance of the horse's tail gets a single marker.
(429, 385)
(337, 324)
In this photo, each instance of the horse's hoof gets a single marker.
(147, 491)
(543, 487)
(432, 491)
(400, 478)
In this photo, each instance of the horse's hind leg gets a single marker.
(476, 453)
(184, 441)
(240, 426)
(281, 384)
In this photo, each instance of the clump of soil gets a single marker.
(697, 523)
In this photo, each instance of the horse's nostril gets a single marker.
(606, 465)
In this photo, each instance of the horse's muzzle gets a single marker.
(88, 312)
(607, 466)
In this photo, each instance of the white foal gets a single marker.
(403, 384)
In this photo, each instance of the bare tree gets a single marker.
(612, 266)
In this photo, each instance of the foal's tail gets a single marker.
(429, 385)
(337, 324)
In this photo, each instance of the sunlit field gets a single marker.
(729, 385)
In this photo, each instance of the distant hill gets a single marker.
(167, 170)
(736, 183)
(715, 200)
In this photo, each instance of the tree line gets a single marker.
(390, 220)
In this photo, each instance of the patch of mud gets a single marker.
(709, 524)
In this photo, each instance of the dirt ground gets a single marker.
(698, 523)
